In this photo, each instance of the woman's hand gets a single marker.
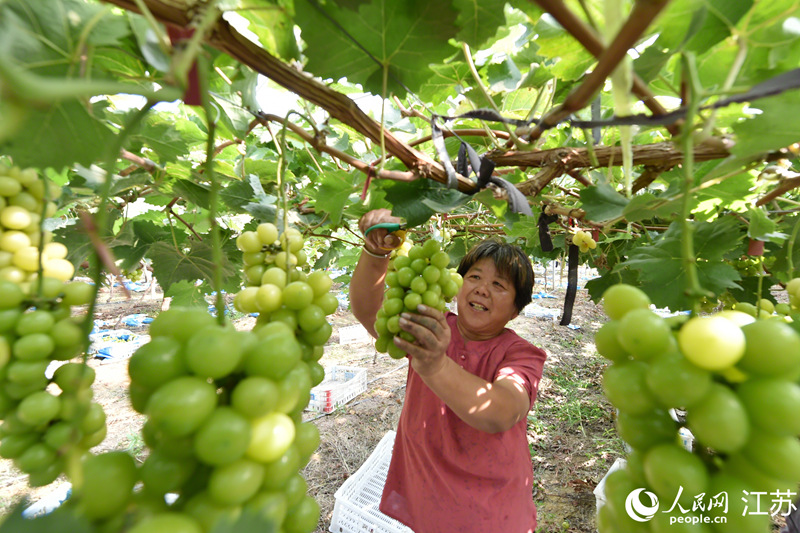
(429, 328)
(379, 241)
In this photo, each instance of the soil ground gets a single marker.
(571, 432)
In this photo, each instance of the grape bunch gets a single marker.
(47, 421)
(416, 275)
(280, 292)
(25, 200)
(793, 292)
(45, 426)
(224, 430)
(735, 377)
(262, 249)
(584, 241)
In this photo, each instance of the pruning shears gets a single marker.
(395, 228)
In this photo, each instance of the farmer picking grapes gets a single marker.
(461, 460)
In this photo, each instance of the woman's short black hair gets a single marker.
(511, 263)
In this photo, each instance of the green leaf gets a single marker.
(236, 195)
(772, 129)
(263, 208)
(721, 17)
(478, 19)
(68, 132)
(187, 294)
(556, 43)
(334, 193)
(274, 28)
(234, 117)
(503, 76)
(196, 193)
(662, 272)
(486, 197)
(73, 236)
(329, 255)
(418, 200)
(641, 207)
(403, 37)
(161, 135)
(445, 79)
(749, 289)
(144, 234)
(762, 228)
(457, 250)
(602, 202)
(197, 263)
(781, 253)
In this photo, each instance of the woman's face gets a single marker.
(485, 302)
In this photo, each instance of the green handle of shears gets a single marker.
(390, 227)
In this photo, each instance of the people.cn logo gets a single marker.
(638, 510)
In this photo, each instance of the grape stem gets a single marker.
(213, 194)
(693, 290)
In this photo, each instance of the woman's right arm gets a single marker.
(366, 286)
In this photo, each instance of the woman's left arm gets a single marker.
(492, 407)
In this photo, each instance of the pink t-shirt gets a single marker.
(446, 476)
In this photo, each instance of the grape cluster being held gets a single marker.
(417, 274)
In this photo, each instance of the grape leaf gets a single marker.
(597, 286)
(444, 79)
(783, 261)
(59, 136)
(196, 193)
(187, 294)
(762, 228)
(274, 28)
(486, 197)
(197, 263)
(457, 250)
(602, 202)
(418, 200)
(144, 234)
(556, 43)
(478, 20)
(263, 208)
(404, 37)
(662, 272)
(334, 194)
(236, 195)
(163, 138)
(772, 129)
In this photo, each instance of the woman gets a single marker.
(461, 460)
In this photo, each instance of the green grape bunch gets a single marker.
(735, 376)
(224, 428)
(49, 420)
(224, 407)
(25, 201)
(279, 291)
(416, 275)
(263, 248)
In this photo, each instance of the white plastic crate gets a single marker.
(341, 384)
(356, 507)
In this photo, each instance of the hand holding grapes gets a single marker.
(429, 328)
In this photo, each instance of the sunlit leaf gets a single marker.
(403, 37)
